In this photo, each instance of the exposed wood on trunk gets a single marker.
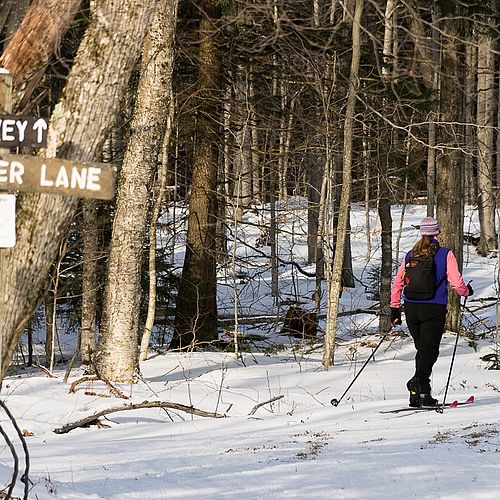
(37, 39)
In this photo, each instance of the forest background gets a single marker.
(213, 110)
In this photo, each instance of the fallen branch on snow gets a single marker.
(256, 407)
(91, 419)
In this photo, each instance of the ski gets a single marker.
(454, 404)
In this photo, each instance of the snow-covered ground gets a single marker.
(299, 446)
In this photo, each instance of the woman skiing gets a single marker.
(422, 278)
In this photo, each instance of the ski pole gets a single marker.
(440, 409)
(335, 401)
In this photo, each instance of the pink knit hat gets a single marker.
(429, 227)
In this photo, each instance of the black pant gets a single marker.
(426, 325)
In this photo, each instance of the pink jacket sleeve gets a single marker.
(452, 275)
(397, 286)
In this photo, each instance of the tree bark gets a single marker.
(315, 176)
(470, 121)
(384, 212)
(336, 280)
(77, 130)
(432, 133)
(243, 153)
(5, 8)
(196, 313)
(450, 162)
(423, 64)
(16, 17)
(388, 37)
(89, 281)
(158, 198)
(485, 124)
(117, 351)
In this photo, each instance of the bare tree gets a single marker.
(117, 355)
(89, 281)
(450, 164)
(485, 124)
(336, 278)
(196, 313)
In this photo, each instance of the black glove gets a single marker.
(395, 316)
(471, 291)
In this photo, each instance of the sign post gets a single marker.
(5, 107)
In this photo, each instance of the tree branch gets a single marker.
(135, 406)
(256, 407)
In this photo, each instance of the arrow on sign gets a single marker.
(40, 126)
(26, 131)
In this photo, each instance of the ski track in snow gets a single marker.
(297, 447)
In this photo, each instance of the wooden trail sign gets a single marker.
(28, 131)
(57, 176)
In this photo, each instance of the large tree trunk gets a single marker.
(196, 314)
(36, 40)
(77, 130)
(158, 199)
(485, 124)
(450, 162)
(338, 262)
(117, 354)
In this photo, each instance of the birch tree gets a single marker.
(117, 356)
(336, 278)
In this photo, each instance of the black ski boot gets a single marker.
(428, 400)
(413, 386)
